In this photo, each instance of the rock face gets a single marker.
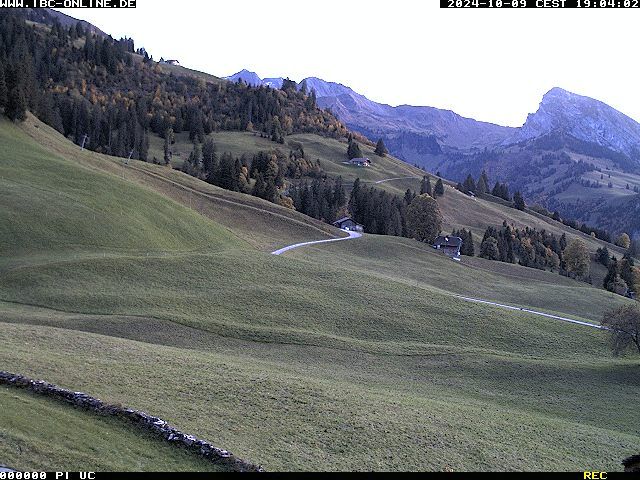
(141, 419)
(583, 118)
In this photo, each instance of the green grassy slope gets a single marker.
(419, 265)
(53, 204)
(326, 358)
(261, 224)
(40, 434)
(459, 210)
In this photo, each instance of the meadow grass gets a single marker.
(346, 356)
(41, 434)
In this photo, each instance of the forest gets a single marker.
(108, 95)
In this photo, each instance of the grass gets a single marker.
(51, 204)
(40, 434)
(349, 356)
(459, 210)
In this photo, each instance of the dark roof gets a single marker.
(631, 460)
(344, 220)
(362, 160)
(453, 242)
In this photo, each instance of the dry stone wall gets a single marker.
(141, 419)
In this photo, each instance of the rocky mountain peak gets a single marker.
(583, 118)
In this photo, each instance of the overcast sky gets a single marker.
(491, 65)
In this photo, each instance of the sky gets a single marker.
(488, 64)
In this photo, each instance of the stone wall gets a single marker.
(155, 425)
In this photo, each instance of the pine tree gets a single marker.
(169, 138)
(483, 183)
(425, 186)
(381, 149)
(612, 274)
(519, 201)
(627, 269)
(439, 189)
(409, 196)
(603, 257)
(353, 150)
(16, 106)
(209, 159)
(469, 185)
(3, 87)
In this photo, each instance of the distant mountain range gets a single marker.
(421, 127)
(583, 118)
(575, 154)
(416, 130)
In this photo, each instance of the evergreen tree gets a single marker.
(408, 197)
(3, 87)
(425, 186)
(381, 149)
(489, 249)
(16, 106)
(469, 247)
(169, 138)
(603, 257)
(311, 101)
(439, 189)
(519, 201)
(209, 159)
(627, 270)
(469, 185)
(483, 183)
(353, 150)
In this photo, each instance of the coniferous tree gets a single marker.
(168, 141)
(519, 201)
(409, 196)
(469, 185)
(438, 191)
(381, 149)
(603, 257)
(3, 86)
(353, 150)
(209, 159)
(468, 247)
(425, 186)
(489, 249)
(16, 106)
(483, 183)
(627, 272)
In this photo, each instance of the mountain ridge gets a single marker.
(453, 131)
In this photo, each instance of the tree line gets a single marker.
(96, 89)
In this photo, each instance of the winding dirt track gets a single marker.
(355, 235)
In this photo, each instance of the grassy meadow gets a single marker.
(346, 356)
(40, 434)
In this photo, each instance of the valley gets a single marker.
(167, 244)
(185, 326)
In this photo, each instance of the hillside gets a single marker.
(575, 155)
(326, 358)
(40, 434)
(429, 127)
(387, 173)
